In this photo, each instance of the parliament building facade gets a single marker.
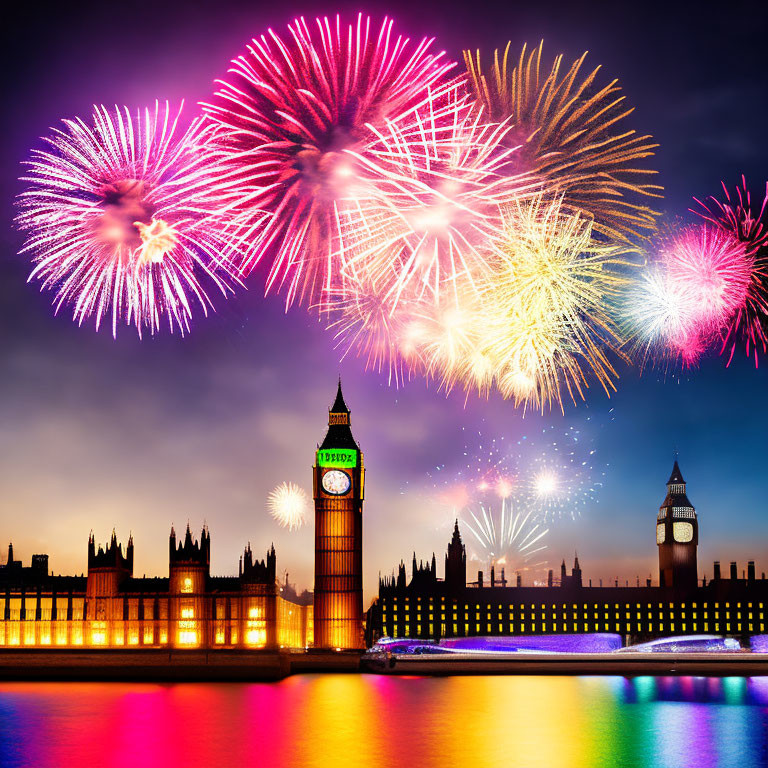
(431, 608)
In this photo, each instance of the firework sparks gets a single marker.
(289, 505)
(507, 537)
(433, 197)
(292, 109)
(549, 302)
(550, 473)
(736, 216)
(509, 494)
(537, 317)
(690, 294)
(567, 128)
(121, 217)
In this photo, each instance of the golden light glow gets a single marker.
(249, 625)
(256, 628)
(187, 627)
(157, 239)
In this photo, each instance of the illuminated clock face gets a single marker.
(660, 534)
(336, 482)
(682, 532)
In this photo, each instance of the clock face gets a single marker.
(660, 533)
(336, 482)
(682, 532)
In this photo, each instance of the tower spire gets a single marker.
(339, 406)
(339, 434)
(676, 478)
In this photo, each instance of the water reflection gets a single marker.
(338, 720)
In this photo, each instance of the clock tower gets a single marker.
(338, 480)
(677, 536)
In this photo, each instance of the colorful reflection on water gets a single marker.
(356, 720)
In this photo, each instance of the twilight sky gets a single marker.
(97, 433)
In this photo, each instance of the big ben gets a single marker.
(677, 536)
(339, 477)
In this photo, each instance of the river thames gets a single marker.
(364, 720)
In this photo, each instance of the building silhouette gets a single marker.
(429, 607)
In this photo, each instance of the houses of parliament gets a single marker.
(109, 607)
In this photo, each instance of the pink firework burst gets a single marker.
(715, 269)
(291, 108)
(697, 284)
(120, 218)
(736, 216)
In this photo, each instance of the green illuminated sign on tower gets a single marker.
(345, 458)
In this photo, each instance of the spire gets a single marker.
(339, 406)
(676, 478)
(339, 434)
(676, 491)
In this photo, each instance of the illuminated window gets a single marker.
(99, 633)
(186, 585)
(187, 627)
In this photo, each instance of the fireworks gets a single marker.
(510, 492)
(567, 128)
(697, 284)
(508, 537)
(432, 201)
(121, 218)
(549, 301)
(537, 317)
(293, 109)
(474, 231)
(289, 505)
(736, 216)
(549, 473)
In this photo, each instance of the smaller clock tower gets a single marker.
(677, 536)
(338, 480)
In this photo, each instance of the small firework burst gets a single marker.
(288, 504)
(549, 473)
(507, 537)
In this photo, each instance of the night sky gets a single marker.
(97, 433)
